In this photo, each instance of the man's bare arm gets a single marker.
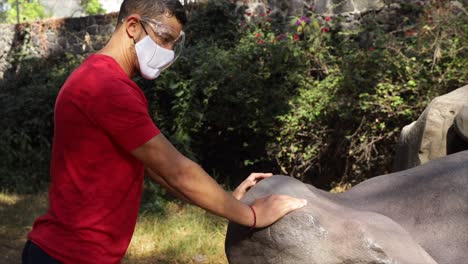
(188, 178)
(160, 180)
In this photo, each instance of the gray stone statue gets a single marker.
(419, 215)
(442, 129)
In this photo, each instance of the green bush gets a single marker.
(219, 104)
(92, 7)
(344, 128)
(27, 120)
(318, 102)
(29, 11)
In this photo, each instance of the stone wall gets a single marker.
(7, 35)
(325, 7)
(52, 37)
(351, 11)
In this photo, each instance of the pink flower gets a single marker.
(268, 10)
(248, 13)
(268, 19)
(281, 37)
(302, 21)
(296, 37)
(327, 18)
(325, 29)
(257, 35)
(261, 41)
(371, 49)
(262, 14)
(305, 19)
(409, 33)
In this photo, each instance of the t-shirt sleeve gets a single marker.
(124, 116)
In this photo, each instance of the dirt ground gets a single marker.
(17, 214)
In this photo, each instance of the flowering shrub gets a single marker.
(344, 124)
(27, 120)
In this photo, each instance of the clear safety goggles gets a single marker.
(166, 37)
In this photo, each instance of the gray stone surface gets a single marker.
(321, 7)
(340, 6)
(326, 7)
(351, 13)
(366, 5)
(7, 35)
(415, 216)
(431, 136)
(461, 123)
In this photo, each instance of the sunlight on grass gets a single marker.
(186, 234)
(9, 199)
(17, 213)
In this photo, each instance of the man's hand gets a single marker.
(271, 208)
(253, 179)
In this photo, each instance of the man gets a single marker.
(104, 139)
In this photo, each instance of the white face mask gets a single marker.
(152, 58)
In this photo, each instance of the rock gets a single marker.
(415, 216)
(93, 29)
(340, 6)
(321, 7)
(461, 123)
(365, 5)
(430, 136)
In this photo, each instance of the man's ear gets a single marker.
(132, 27)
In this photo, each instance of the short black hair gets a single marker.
(152, 8)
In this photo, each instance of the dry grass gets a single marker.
(341, 187)
(185, 234)
(17, 214)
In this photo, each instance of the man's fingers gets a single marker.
(289, 203)
(294, 204)
(251, 180)
(248, 183)
(257, 176)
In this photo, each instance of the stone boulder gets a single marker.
(418, 215)
(434, 135)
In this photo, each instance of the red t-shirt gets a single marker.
(100, 116)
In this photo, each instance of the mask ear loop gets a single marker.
(144, 29)
(141, 23)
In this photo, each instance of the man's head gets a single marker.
(152, 9)
(149, 32)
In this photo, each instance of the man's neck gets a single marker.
(121, 54)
